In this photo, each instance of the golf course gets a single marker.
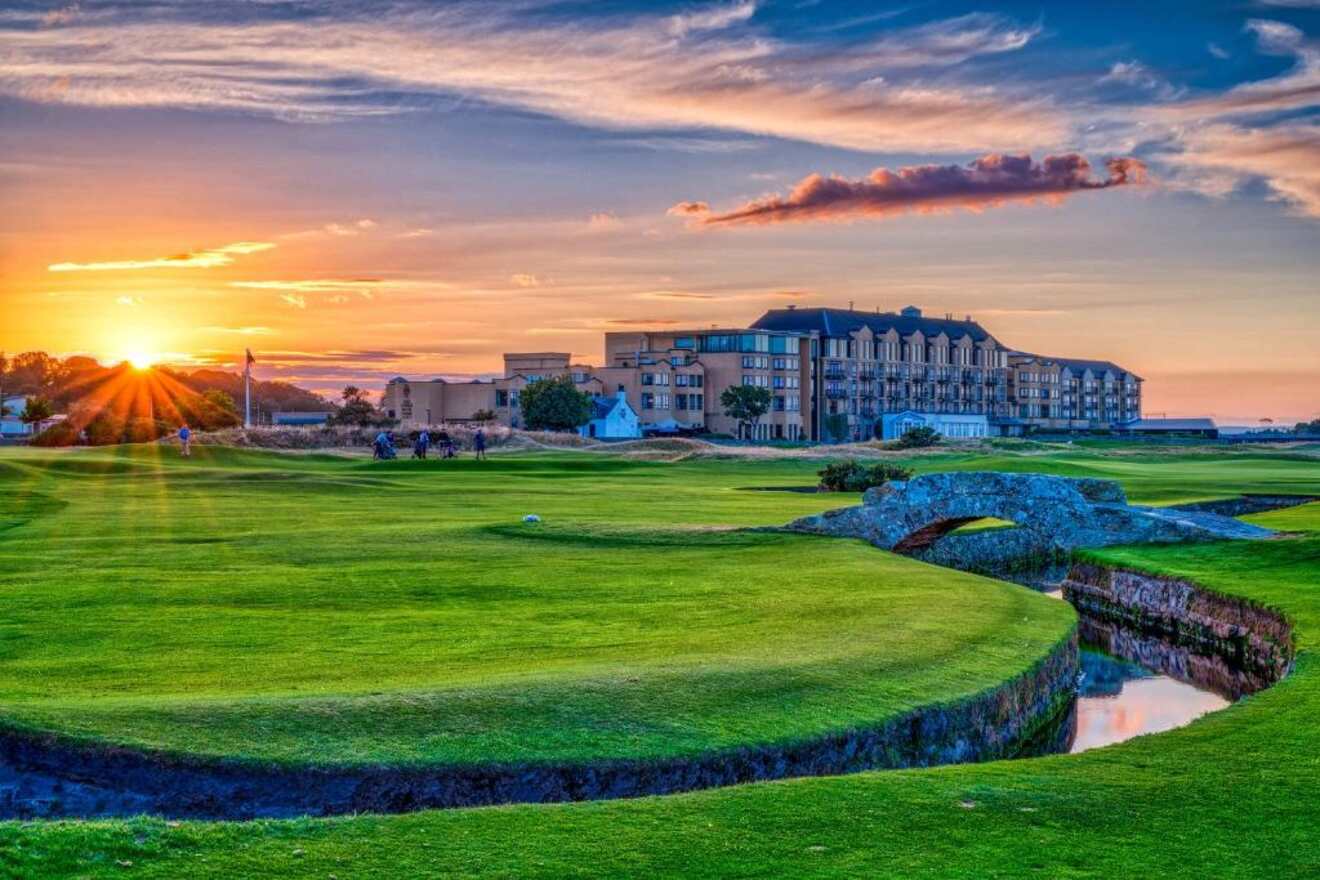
(323, 614)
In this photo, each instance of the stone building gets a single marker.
(1068, 394)
(832, 374)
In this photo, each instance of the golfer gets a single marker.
(185, 442)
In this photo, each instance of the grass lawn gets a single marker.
(1236, 794)
(333, 611)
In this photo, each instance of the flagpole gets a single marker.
(247, 390)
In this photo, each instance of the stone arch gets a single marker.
(1051, 513)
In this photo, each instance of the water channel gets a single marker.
(1132, 684)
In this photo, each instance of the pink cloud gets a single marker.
(988, 182)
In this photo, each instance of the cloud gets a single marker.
(417, 233)
(349, 229)
(1286, 158)
(294, 299)
(1218, 51)
(1139, 76)
(688, 209)
(636, 322)
(132, 301)
(524, 280)
(1296, 89)
(319, 285)
(711, 68)
(603, 221)
(986, 183)
(205, 259)
(712, 19)
(241, 331)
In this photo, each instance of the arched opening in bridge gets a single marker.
(929, 534)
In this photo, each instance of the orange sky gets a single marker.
(427, 217)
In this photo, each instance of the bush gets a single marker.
(58, 434)
(917, 438)
(850, 475)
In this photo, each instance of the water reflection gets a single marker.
(1133, 684)
(1118, 700)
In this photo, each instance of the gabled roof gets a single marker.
(1079, 364)
(841, 322)
(602, 405)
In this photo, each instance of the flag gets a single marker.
(250, 359)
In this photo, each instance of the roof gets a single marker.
(841, 322)
(602, 405)
(1170, 425)
(1080, 364)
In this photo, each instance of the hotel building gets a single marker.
(833, 374)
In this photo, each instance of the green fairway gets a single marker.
(122, 537)
(336, 611)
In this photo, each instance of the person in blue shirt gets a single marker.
(422, 444)
(185, 441)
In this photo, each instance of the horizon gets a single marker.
(180, 183)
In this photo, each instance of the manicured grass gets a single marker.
(1236, 794)
(335, 611)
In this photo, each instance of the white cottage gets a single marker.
(612, 419)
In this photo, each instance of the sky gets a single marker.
(361, 190)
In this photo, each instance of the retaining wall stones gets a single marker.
(1254, 643)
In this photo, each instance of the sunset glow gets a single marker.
(481, 181)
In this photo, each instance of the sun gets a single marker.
(141, 360)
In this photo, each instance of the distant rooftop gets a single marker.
(1170, 425)
(1078, 363)
(841, 322)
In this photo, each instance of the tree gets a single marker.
(356, 409)
(484, 415)
(38, 409)
(745, 404)
(220, 400)
(918, 437)
(554, 405)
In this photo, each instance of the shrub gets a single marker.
(917, 438)
(58, 434)
(850, 475)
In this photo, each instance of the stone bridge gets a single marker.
(1053, 515)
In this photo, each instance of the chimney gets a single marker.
(792, 307)
(911, 312)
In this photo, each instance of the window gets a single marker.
(756, 381)
(687, 342)
(513, 398)
(681, 380)
(783, 345)
(501, 399)
(793, 403)
(777, 382)
(662, 401)
(779, 404)
(648, 400)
